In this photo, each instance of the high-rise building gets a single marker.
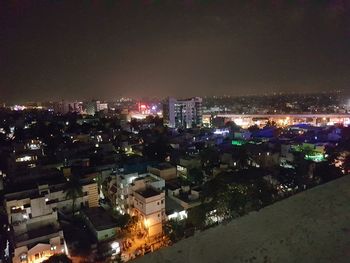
(185, 113)
(93, 106)
(63, 107)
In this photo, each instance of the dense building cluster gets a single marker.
(94, 181)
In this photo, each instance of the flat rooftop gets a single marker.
(162, 166)
(149, 192)
(173, 184)
(148, 177)
(310, 227)
(42, 233)
(99, 218)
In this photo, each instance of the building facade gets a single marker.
(186, 113)
(126, 184)
(33, 214)
(149, 206)
(142, 195)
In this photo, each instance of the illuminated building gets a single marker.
(142, 195)
(33, 215)
(93, 106)
(186, 113)
(282, 120)
(163, 170)
(149, 206)
(126, 184)
(63, 107)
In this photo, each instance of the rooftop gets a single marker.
(99, 218)
(149, 192)
(44, 232)
(172, 206)
(310, 227)
(162, 166)
(173, 184)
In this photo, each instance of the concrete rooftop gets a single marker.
(310, 227)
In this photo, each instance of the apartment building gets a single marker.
(149, 206)
(142, 195)
(126, 184)
(163, 170)
(185, 113)
(33, 214)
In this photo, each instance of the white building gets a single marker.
(63, 107)
(91, 107)
(186, 113)
(149, 206)
(33, 215)
(127, 184)
(142, 195)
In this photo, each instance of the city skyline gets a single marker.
(103, 49)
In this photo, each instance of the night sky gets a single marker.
(53, 50)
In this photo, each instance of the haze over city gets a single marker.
(54, 50)
(192, 131)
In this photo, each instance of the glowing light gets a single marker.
(146, 223)
(238, 142)
(221, 131)
(115, 248)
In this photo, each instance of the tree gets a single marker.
(58, 258)
(159, 149)
(271, 124)
(195, 175)
(175, 230)
(123, 220)
(232, 126)
(231, 203)
(346, 164)
(261, 194)
(73, 190)
(209, 157)
(254, 128)
(302, 172)
(327, 172)
(197, 216)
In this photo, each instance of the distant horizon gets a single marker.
(281, 93)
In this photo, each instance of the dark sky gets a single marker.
(104, 49)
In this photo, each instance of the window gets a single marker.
(158, 215)
(23, 257)
(157, 203)
(162, 201)
(37, 256)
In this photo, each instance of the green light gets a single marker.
(238, 142)
(317, 157)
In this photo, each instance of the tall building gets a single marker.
(93, 106)
(186, 113)
(90, 107)
(63, 107)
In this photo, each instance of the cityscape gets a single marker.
(150, 155)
